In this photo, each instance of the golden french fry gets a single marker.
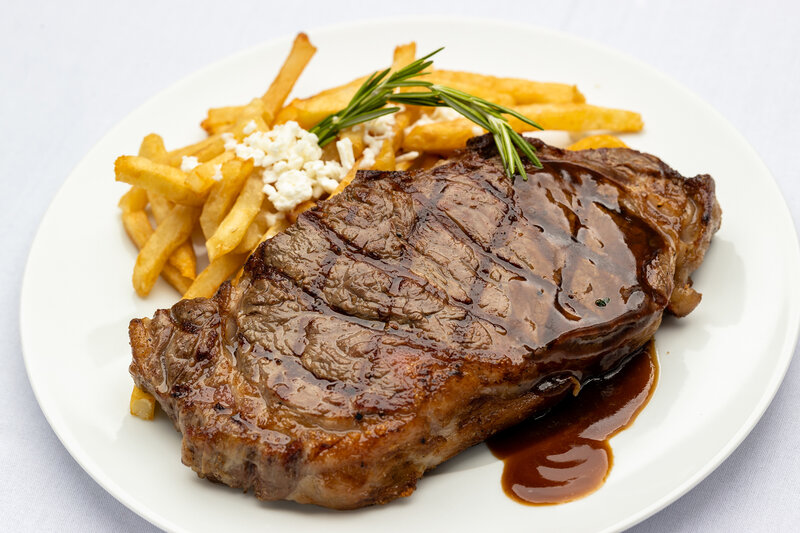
(138, 228)
(143, 405)
(486, 91)
(597, 141)
(402, 119)
(536, 92)
(521, 91)
(219, 119)
(223, 194)
(152, 148)
(159, 205)
(204, 150)
(443, 137)
(133, 200)
(174, 230)
(219, 270)
(299, 56)
(403, 55)
(204, 174)
(252, 112)
(233, 227)
(577, 117)
(308, 111)
(255, 232)
(385, 158)
(440, 137)
(158, 177)
(280, 225)
(403, 165)
(183, 258)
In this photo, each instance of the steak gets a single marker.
(417, 313)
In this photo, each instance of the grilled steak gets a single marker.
(417, 313)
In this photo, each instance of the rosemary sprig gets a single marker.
(369, 101)
(371, 98)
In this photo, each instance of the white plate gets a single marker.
(720, 367)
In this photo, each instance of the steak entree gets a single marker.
(417, 313)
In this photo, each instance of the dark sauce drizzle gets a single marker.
(564, 455)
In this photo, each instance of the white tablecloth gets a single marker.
(71, 70)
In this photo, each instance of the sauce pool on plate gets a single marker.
(564, 454)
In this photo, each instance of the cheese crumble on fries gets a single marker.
(259, 167)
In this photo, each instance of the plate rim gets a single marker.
(788, 345)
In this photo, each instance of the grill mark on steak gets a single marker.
(417, 313)
(402, 270)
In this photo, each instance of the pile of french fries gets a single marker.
(220, 201)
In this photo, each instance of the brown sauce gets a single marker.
(565, 455)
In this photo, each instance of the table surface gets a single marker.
(73, 70)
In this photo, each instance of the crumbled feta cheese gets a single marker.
(217, 173)
(346, 157)
(367, 158)
(375, 132)
(290, 157)
(250, 127)
(188, 163)
(477, 130)
(408, 156)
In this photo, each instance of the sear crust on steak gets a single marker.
(417, 313)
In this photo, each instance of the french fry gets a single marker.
(233, 227)
(254, 233)
(597, 141)
(252, 112)
(138, 228)
(308, 111)
(402, 119)
(440, 137)
(385, 158)
(223, 194)
(143, 405)
(486, 91)
(219, 119)
(133, 200)
(152, 148)
(403, 55)
(403, 165)
(577, 117)
(443, 137)
(536, 92)
(521, 91)
(174, 230)
(301, 53)
(204, 150)
(204, 173)
(219, 270)
(183, 258)
(157, 177)
(159, 205)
